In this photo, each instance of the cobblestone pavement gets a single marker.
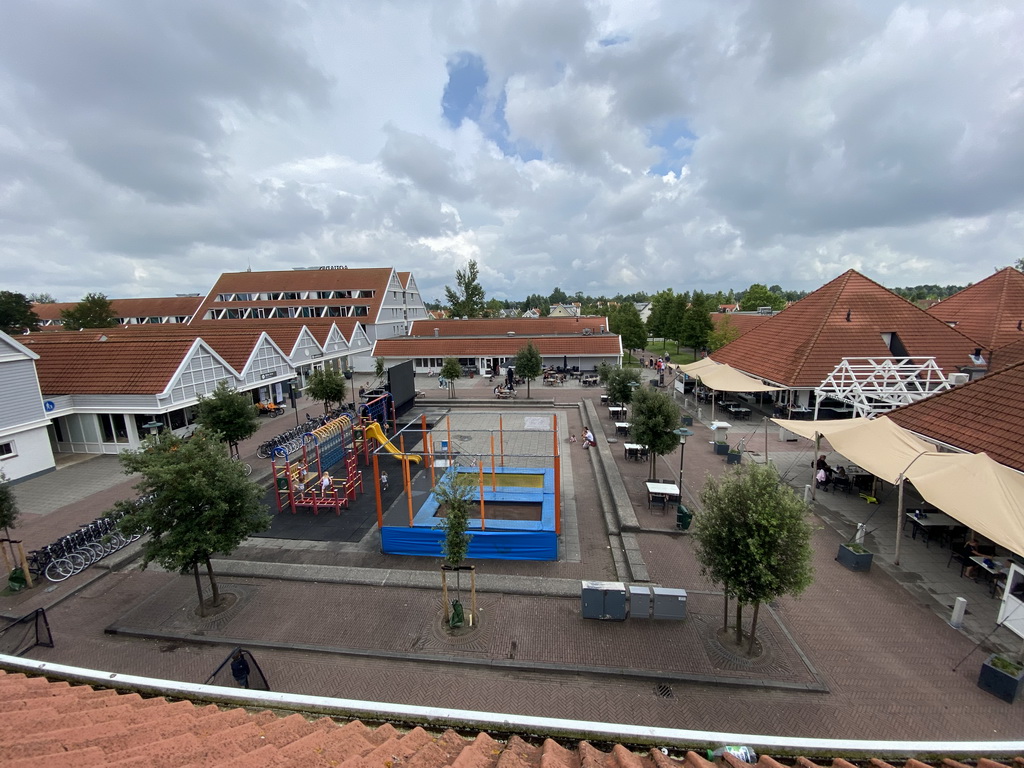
(886, 661)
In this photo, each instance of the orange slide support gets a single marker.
(374, 431)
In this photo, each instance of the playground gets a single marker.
(361, 471)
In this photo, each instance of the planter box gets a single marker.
(722, 449)
(999, 683)
(687, 421)
(855, 561)
(733, 458)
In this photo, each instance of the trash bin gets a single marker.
(683, 518)
(16, 580)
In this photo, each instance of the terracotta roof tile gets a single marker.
(990, 312)
(166, 306)
(982, 416)
(846, 317)
(1007, 354)
(54, 723)
(500, 326)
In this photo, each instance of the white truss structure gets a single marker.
(873, 385)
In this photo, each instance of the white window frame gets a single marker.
(11, 452)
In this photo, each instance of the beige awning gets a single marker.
(877, 445)
(724, 378)
(979, 492)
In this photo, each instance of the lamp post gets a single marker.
(632, 389)
(682, 433)
(153, 426)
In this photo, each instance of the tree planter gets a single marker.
(1000, 682)
(733, 458)
(856, 559)
(721, 449)
(687, 421)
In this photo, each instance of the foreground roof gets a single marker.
(990, 312)
(851, 316)
(984, 416)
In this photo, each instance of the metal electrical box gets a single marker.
(640, 602)
(604, 600)
(669, 603)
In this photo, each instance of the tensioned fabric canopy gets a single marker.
(981, 493)
(878, 445)
(725, 378)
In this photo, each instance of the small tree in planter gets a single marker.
(454, 494)
(1001, 677)
(734, 456)
(852, 555)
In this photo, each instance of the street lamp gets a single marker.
(682, 433)
(152, 426)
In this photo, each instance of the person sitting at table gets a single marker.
(588, 438)
(840, 479)
(497, 390)
(970, 550)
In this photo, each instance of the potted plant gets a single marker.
(854, 557)
(721, 448)
(687, 420)
(733, 456)
(1001, 677)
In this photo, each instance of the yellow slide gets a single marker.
(373, 430)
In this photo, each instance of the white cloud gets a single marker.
(144, 149)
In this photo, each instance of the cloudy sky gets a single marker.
(146, 146)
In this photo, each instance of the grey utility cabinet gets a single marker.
(639, 602)
(669, 603)
(604, 600)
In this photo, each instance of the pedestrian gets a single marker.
(240, 669)
(325, 483)
(383, 480)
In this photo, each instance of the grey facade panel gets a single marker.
(22, 402)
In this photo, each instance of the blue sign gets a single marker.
(48, 405)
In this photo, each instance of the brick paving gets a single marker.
(884, 655)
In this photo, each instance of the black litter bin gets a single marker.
(683, 518)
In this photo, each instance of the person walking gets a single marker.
(383, 480)
(240, 669)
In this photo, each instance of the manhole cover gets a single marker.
(663, 691)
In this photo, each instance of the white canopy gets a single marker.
(878, 445)
(725, 378)
(981, 493)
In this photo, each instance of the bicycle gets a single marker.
(246, 466)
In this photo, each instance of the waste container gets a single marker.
(683, 518)
(16, 580)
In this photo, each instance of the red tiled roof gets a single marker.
(131, 367)
(502, 346)
(986, 415)
(373, 279)
(990, 312)
(1007, 354)
(500, 326)
(167, 306)
(53, 723)
(804, 343)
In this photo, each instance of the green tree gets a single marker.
(528, 364)
(194, 501)
(661, 309)
(1020, 264)
(697, 324)
(327, 386)
(604, 370)
(454, 495)
(753, 537)
(655, 415)
(621, 383)
(725, 332)
(626, 322)
(451, 370)
(757, 296)
(16, 315)
(468, 298)
(229, 413)
(8, 512)
(558, 296)
(93, 311)
(676, 320)
(493, 308)
(42, 298)
(538, 302)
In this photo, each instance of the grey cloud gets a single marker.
(423, 162)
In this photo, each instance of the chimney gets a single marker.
(437, 332)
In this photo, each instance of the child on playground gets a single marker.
(383, 480)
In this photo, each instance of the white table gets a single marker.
(633, 450)
(663, 492)
(928, 520)
(617, 410)
(993, 572)
(622, 427)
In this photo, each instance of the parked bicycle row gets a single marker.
(291, 440)
(75, 552)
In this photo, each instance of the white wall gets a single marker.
(34, 454)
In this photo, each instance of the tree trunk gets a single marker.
(213, 582)
(753, 630)
(528, 388)
(10, 545)
(739, 623)
(654, 461)
(725, 613)
(199, 589)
